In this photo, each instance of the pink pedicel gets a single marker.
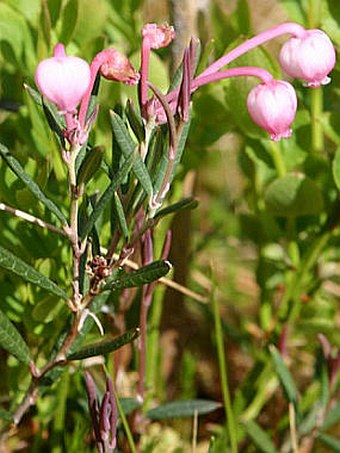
(272, 106)
(154, 37)
(310, 57)
(63, 79)
(112, 65)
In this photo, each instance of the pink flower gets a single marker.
(158, 36)
(310, 57)
(63, 79)
(272, 106)
(115, 66)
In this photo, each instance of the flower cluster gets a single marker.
(68, 81)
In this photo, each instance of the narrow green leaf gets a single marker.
(180, 148)
(53, 120)
(183, 408)
(15, 264)
(260, 438)
(186, 203)
(162, 167)
(16, 167)
(90, 164)
(108, 194)
(51, 112)
(284, 375)
(35, 95)
(104, 346)
(142, 276)
(135, 121)
(12, 341)
(330, 441)
(127, 147)
(121, 217)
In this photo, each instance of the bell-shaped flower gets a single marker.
(63, 79)
(272, 106)
(310, 57)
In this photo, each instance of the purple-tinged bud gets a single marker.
(114, 65)
(272, 106)
(310, 57)
(63, 79)
(158, 36)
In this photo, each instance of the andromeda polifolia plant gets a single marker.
(118, 253)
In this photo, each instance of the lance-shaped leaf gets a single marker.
(183, 408)
(108, 194)
(104, 346)
(16, 167)
(90, 164)
(284, 375)
(54, 122)
(15, 264)
(135, 121)
(260, 438)
(53, 117)
(142, 276)
(120, 215)
(12, 341)
(186, 203)
(127, 147)
(163, 164)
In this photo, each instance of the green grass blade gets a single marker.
(16, 167)
(12, 341)
(330, 442)
(15, 264)
(260, 438)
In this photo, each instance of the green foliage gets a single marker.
(142, 276)
(260, 437)
(15, 166)
(179, 409)
(104, 346)
(12, 341)
(263, 242)
(293, 195)
(15, 264)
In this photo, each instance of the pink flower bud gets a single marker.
(272, 106)
(158, 36)
(63, 79)
(116, 66)
(310, 57)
